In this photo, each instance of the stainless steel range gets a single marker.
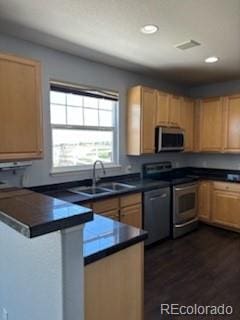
(185, 216)
(184, 193)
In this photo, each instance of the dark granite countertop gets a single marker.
(34, 214)
(138, 185)
(225, 175)
(103, 237)
(177, 176)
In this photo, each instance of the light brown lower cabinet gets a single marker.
(107, 207)
(226, 204)
(127, 209)
(118, 293)
(113, 214)
(132, 215)
(131, 209)
(102, 206)
(226, 208)
(219, 204)
(131, 199)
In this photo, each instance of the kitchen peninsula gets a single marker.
(43, 252)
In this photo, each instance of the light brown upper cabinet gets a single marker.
(187, 122)
(20, 111)
(211, 124)
(210, 130)
(232, 123)
(163, 108)
(141, 120)
(175, 111)
(168, 110)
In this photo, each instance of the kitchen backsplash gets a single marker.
(225, 161)
(218, 161)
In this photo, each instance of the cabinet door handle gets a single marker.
(129, 213)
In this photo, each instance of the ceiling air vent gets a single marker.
(187, 45)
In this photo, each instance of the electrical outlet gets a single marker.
(128, 168)
(25, 180)
(4, 314)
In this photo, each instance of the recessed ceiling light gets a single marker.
(211, 59)
(149, 29)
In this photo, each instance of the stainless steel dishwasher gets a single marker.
(157, 214)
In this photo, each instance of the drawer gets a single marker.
(105, 205)
(112, 214)
(131, 199)
(233, 187)
(15, 193)
(87, 205)
(132, 215)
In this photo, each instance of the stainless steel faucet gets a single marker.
(94, 179)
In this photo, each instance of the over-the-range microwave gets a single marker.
(169, 139)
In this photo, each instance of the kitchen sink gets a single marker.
(103, 188)
(116, 186)
(89, 190)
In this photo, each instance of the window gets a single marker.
(83, 123)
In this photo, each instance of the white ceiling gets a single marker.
(109, 31)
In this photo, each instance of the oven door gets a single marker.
(185, 203)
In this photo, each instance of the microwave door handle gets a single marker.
(159, 139)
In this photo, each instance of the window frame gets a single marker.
(114, 129)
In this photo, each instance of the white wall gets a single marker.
(69, 68)
(217, 161)
(41, 278)
(73, 273)
(30, 276)
(65, 67)
(215, 89)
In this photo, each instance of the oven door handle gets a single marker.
(186, 223)
(192, 186)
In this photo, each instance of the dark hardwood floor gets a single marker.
(200, 268)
